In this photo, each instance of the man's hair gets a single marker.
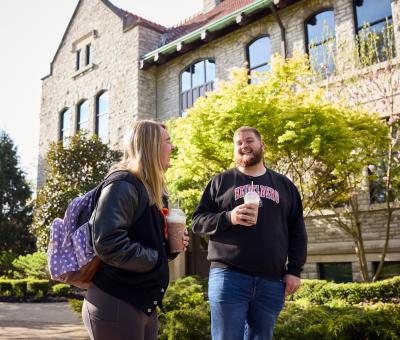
(247, 129)
(141, 156)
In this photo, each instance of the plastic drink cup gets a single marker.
(251, 197)
(176, 220)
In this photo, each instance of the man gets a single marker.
(255, 262)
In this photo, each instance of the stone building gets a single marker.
(112, 67)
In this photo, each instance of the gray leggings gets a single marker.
(108, 318)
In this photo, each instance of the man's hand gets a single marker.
(292, 283)
(244, 214)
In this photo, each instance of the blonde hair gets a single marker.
(141, 156)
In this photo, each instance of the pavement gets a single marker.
(53, 320)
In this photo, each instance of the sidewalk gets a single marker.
(40, 321)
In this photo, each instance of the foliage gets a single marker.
(61, 289)
(15, 212)
(71, 171)
(31, 266)
(37, 288)
(187, 312)
(6, 260)
(322, 292)
(323, 322)
(317, 143)
(76, 305)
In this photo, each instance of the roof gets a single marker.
(202, 19)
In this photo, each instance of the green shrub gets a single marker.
(32, 266)
(61, 289)
(323, 322)
(186, 292)
(187, 312)
(19, 287)
(76, 306)
(186, 324)
(37, 287)
(320, 292)
(5, 287)
(6, 259)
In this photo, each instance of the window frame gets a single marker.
(204, 85)
(88, 54)
(98, 114)
(61, 136)
(321, 270)
(306, 33)
(77, 60)
(78, 112)
(248, 52)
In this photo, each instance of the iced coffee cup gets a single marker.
(176, 220)
(252, 198)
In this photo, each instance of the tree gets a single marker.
(71, 171)
(15, 214)
(371, 83)
(321, 145)
(306, 136)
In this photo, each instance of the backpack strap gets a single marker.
(126, 176)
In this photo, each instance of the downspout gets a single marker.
(283, 31)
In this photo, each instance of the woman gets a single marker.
(129, 238)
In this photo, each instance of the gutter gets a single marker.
(202, 32)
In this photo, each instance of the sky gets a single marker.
(30, 32)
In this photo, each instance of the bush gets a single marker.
(186, 324)
(321, 292)
(187, 311)
(323, 322)
(37, 288)
(76, 305)
(32, 266)
(5, 287)
(61, 289)
(6, 260)
(19, 287)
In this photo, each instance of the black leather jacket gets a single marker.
(133, 248)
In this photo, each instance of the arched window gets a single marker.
(259, 55)
(82, 121)
(374, 17)
(65, 117)
(102, 116)
(195, 81)
(320, 41)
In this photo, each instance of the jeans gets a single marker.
(243, 307)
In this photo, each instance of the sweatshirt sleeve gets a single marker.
(207, 218)
(297, 236)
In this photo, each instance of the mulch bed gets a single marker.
(47, 298)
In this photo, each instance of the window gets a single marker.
(82, 121)
(336, 271)
(78, 60)
(259, 55)
(196, 80)
(390, 269)
(102, 116)
(320, 41)
(374, 25)
(65, 117)
(88, 54)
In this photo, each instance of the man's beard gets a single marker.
(247, 160)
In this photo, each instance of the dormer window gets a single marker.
(83, 50)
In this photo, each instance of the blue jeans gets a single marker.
(243, 307)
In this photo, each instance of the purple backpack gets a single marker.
(70, 255)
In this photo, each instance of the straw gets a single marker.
(252, 189)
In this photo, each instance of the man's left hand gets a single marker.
(292, 283)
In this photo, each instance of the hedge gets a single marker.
(23, 287)
(320, 292)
